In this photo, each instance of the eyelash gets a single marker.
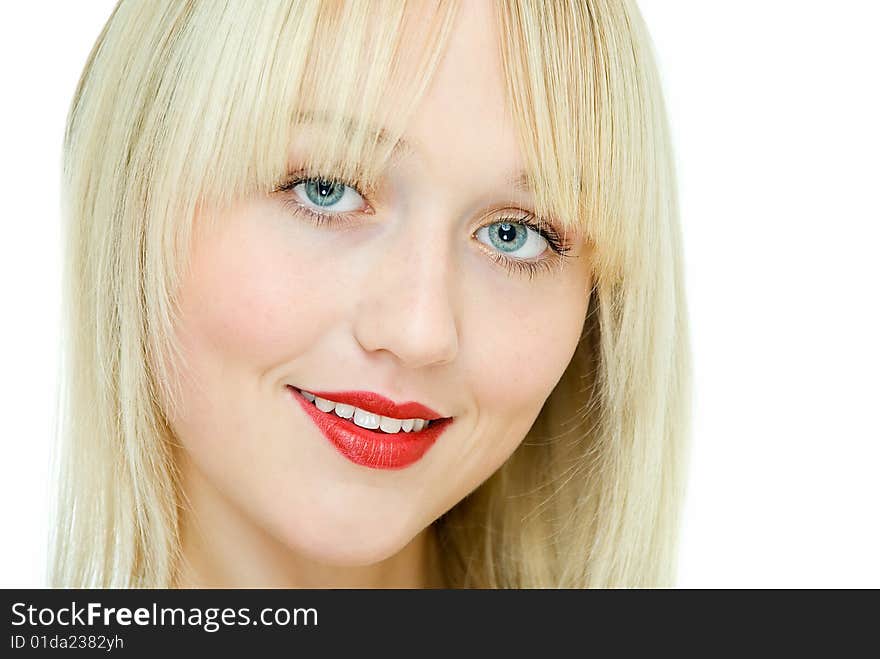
(529, 268)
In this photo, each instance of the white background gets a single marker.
(774, 113)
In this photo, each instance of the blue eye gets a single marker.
(322, 194)
(513, 238)
(518, 244)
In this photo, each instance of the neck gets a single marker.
(222, 547)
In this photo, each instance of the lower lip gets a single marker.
(372, 448)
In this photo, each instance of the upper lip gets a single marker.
(370, 401)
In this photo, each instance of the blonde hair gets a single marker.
(185, 103)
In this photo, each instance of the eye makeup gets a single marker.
(319, 213)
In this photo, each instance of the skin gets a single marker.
(407, 303)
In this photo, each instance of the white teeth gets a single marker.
(390, 425)
(324, 405)
(366, 419)
(344, 411)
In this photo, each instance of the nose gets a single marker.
(406, 303)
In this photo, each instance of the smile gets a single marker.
(366, 419)
(372, 437)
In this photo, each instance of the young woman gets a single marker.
(372, 294)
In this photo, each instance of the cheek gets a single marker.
(524, 343)
(253, 296)
(518, 351)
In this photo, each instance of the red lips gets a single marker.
(370, 401)
(374, 448)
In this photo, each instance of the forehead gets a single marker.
(314, 127)
(461, 127)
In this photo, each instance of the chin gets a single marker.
(347, 540)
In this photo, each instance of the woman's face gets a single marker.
(403, 296)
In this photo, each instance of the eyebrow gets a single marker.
(519, 181)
